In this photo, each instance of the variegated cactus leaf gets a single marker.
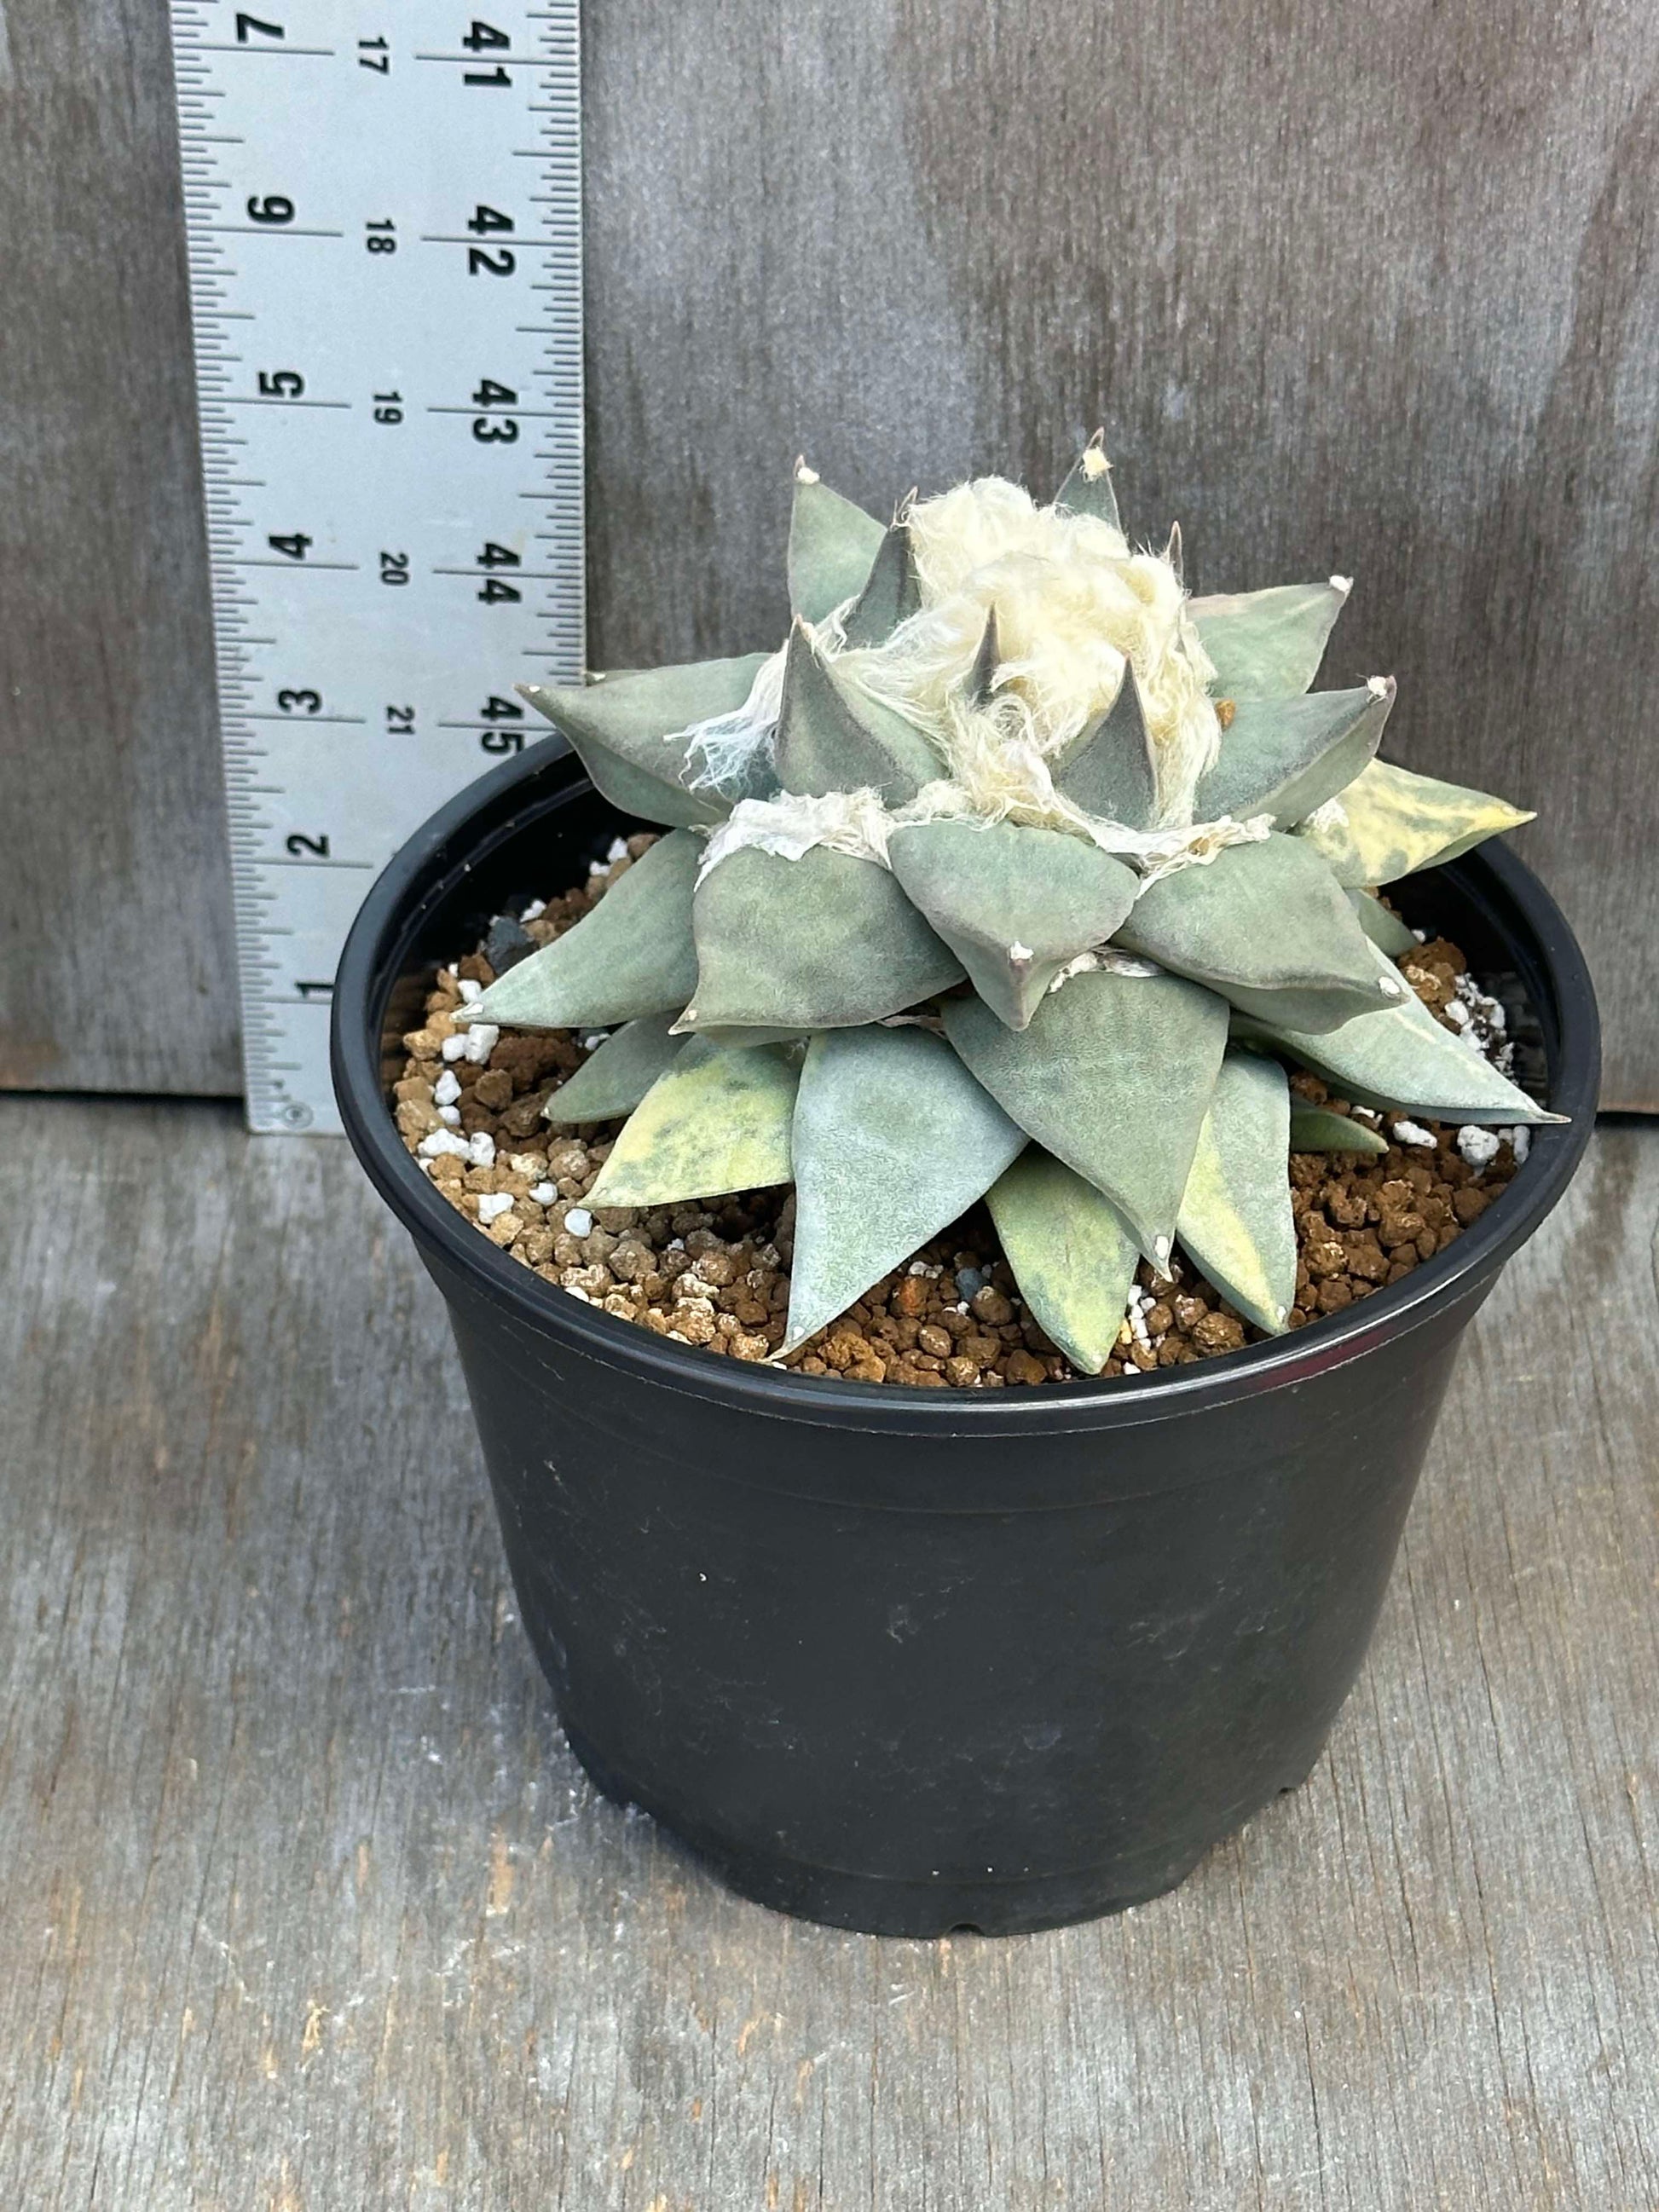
(1014, 905)
(1088, 489)
(1113, 1076)
(1388, 823)
(1316, 1129)
(717, 1120)
(1403, 1059)
(832, 547)
(1070, 1251)
(1112, 770)
(632, 956)
(1381, 924)
(833, 735)
(1286, 756)
(1265, 645)
(892, 1139)
(817, 943)
(630, 729)
(1235, 1217)
(891, 593)
(1274, 936)
(613, 1079)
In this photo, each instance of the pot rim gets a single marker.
(448, 845)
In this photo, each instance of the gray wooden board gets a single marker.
(307, 1907)
(1366, 289)
(114, 879)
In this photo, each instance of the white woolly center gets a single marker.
(1074, 609)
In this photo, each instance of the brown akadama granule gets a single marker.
(715, 1271)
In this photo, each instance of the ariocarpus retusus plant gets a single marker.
(1015, 873)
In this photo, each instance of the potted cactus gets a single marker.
(1015, 874)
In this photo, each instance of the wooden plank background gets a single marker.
(1371, 289)
(307, 1908)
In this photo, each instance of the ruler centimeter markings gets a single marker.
(383, 208)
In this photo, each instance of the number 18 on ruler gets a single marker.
(383, 200)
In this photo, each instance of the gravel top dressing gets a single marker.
(715, 1271)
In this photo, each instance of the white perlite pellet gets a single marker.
(481, 1041)
(434, 1147)
(1478, 1146)
(481, 1149)
(453, 1048)
(1413, 1133)
(534, 911)
(493, 1204)
(450, 1116)
(447, 1089)
(470, 990)
(544, 1194)
(579, 1221)
(1520, 1142)
(617, 850)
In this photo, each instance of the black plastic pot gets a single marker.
(910, 1661)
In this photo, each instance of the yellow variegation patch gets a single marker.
(1235, 1219)
(1388, 823)
(1071, 1252)
(718, 1120)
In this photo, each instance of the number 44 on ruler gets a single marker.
(384, 203)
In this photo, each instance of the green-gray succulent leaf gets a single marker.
(613, 1079)
(833, 735)
(1013, 904)
(1388, 823)
(1286, 756)
(630, 730)
(1403, 1060)
(1088, 489)
(1274, 936)
(832, 547)
(892, 593)
(1381, 924)
(1113, 1076)
(1112, 769)
(1071, 1253)
(822, 942)
(718, 1120)
(892, 1139)
(632, 956)
(1265, 644)
(1235, 1217)
(1316, 1129)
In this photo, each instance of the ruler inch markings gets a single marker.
(352, 464)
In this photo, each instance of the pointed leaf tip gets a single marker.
(832, 546)
(630, 957)
(1388, 823)
(717, 1120)
(892, 1139)
(1265, 645)
(1235, 1220)
(1071, 1254)
(1113, 1077)
(822, 942)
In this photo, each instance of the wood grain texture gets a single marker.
(306, 1906)
(1372, 290)
(112, 862)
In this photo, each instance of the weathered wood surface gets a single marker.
(1373, 289)
(113, 877)
(307, 1906)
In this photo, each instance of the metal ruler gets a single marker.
(384, 207)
